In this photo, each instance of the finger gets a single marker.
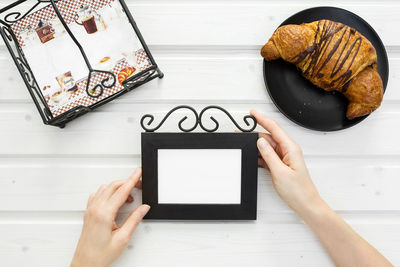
(262, 164)
(272, 142)
(98, 194)
(112, 187)
(121, 195)
(265, 135)
(133, 220)
(277, 133)
(129, 199)
(269, 138)
(139, 184)
(114, 226)
(269, 155)
(101, 189)
(91, 197)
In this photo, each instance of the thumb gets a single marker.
(133, 220)
(269, 155)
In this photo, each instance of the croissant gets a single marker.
(332, 56)
(125, 74)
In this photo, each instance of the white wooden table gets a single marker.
(209, 51)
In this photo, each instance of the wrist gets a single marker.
(76, 263)
(315, 209)
(82, 262)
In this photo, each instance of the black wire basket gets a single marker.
(99, 86)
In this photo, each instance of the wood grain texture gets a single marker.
(25, 134)
(209, 51)
(195, 74)
(64, 184)
(242, 22)
(191, 243)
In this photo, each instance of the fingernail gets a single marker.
(262, 144)
(133, 177)
(144, 209)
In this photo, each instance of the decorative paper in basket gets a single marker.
(68, 9)
(113, 41)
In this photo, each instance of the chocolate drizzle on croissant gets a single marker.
(313, 54)
(331, 55)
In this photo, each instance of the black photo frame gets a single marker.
(246, 210)
(173, 209)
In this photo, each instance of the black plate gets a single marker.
(300, 100)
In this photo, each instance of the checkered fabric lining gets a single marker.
(142, 59)
(67, 8)
(83, 99)
(87, 100)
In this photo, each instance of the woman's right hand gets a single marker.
(284, 159)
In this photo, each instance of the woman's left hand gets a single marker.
(102, 241)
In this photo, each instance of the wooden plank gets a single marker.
(191, 243)
(266, 217)
(186, 78)
(64, 184)
(250, 23)
(102, 132)
(192, 73)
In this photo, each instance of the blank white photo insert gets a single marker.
(199, 176)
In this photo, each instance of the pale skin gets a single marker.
(102, 241)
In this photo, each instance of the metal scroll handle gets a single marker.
(151, 119)
(248, 120)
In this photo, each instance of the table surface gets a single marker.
(209, 51)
